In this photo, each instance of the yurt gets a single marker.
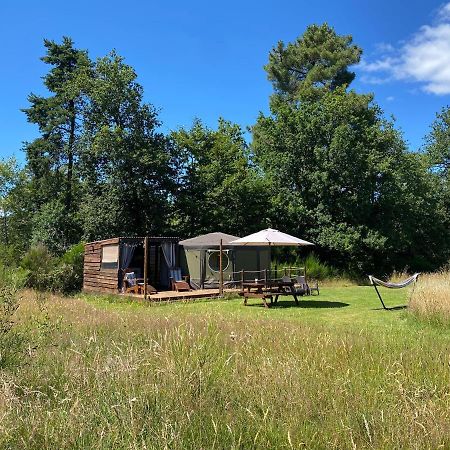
(199, 258)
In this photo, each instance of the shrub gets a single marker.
(315, 268)
(11, 282)
(9, 255)
(47, 273)
(39, 263)
(68, 274)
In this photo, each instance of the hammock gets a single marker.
(375, 281)
(388, 285)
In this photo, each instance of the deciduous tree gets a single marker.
(219, 189)
(125, 163)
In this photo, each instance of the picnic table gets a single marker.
(268, 290)
(284, 287)
(255, 289)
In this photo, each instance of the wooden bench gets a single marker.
(262, 295)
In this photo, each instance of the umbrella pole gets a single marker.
(270, 257)
(145, 266)
(220, 269)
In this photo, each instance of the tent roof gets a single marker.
(208, 240)
(270, 237)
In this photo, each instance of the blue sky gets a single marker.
(205, 59)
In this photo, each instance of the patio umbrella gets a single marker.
(270, 237)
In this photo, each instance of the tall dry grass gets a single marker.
(154, 378)
(430, 298)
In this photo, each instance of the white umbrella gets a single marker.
(270, 237)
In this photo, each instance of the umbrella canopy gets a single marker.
(270, 237)
(209, 240)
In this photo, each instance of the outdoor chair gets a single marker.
(314, 287)
(178, 282)
(301, 286)
(132, 283)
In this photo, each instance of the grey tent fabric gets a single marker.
(375, 281)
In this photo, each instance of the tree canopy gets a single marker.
(217, 186)
(324, 164)
(318, 61)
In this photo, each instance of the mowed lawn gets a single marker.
(335, 372)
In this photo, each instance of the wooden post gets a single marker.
(265, 277)
(242, 279)
(220, 269)
(145, 266)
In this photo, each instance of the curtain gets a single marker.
(126, 255)
(168, 249)
(169, 253)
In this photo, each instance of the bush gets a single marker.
(48, 273)
(314, 267)
(317, 269)
(39, 263)
(9, 255)
(68, 275)
(11, 282)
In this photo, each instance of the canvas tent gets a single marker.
(199, 258)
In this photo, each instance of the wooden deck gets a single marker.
(173, 295)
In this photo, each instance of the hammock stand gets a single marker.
(375, 281)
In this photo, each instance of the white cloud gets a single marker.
(384, 47)
(424, 58)
(384, 64)
(391, 98)
(444, 12)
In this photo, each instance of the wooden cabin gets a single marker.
(106, 261)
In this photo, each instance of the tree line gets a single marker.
(324, 164)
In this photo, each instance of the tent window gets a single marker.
(110, 256)
(214, 261)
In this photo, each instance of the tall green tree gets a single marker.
(52, 157)
(126, 167)
(437, 157)
(340, 170)
(438, 144)
(218, 188)
(317, 62)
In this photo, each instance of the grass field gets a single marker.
(336, 372)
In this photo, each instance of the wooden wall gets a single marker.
(96, 279)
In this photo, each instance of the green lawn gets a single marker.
(356, 307)
(335, 372)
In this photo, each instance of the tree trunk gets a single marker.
(70, 155)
